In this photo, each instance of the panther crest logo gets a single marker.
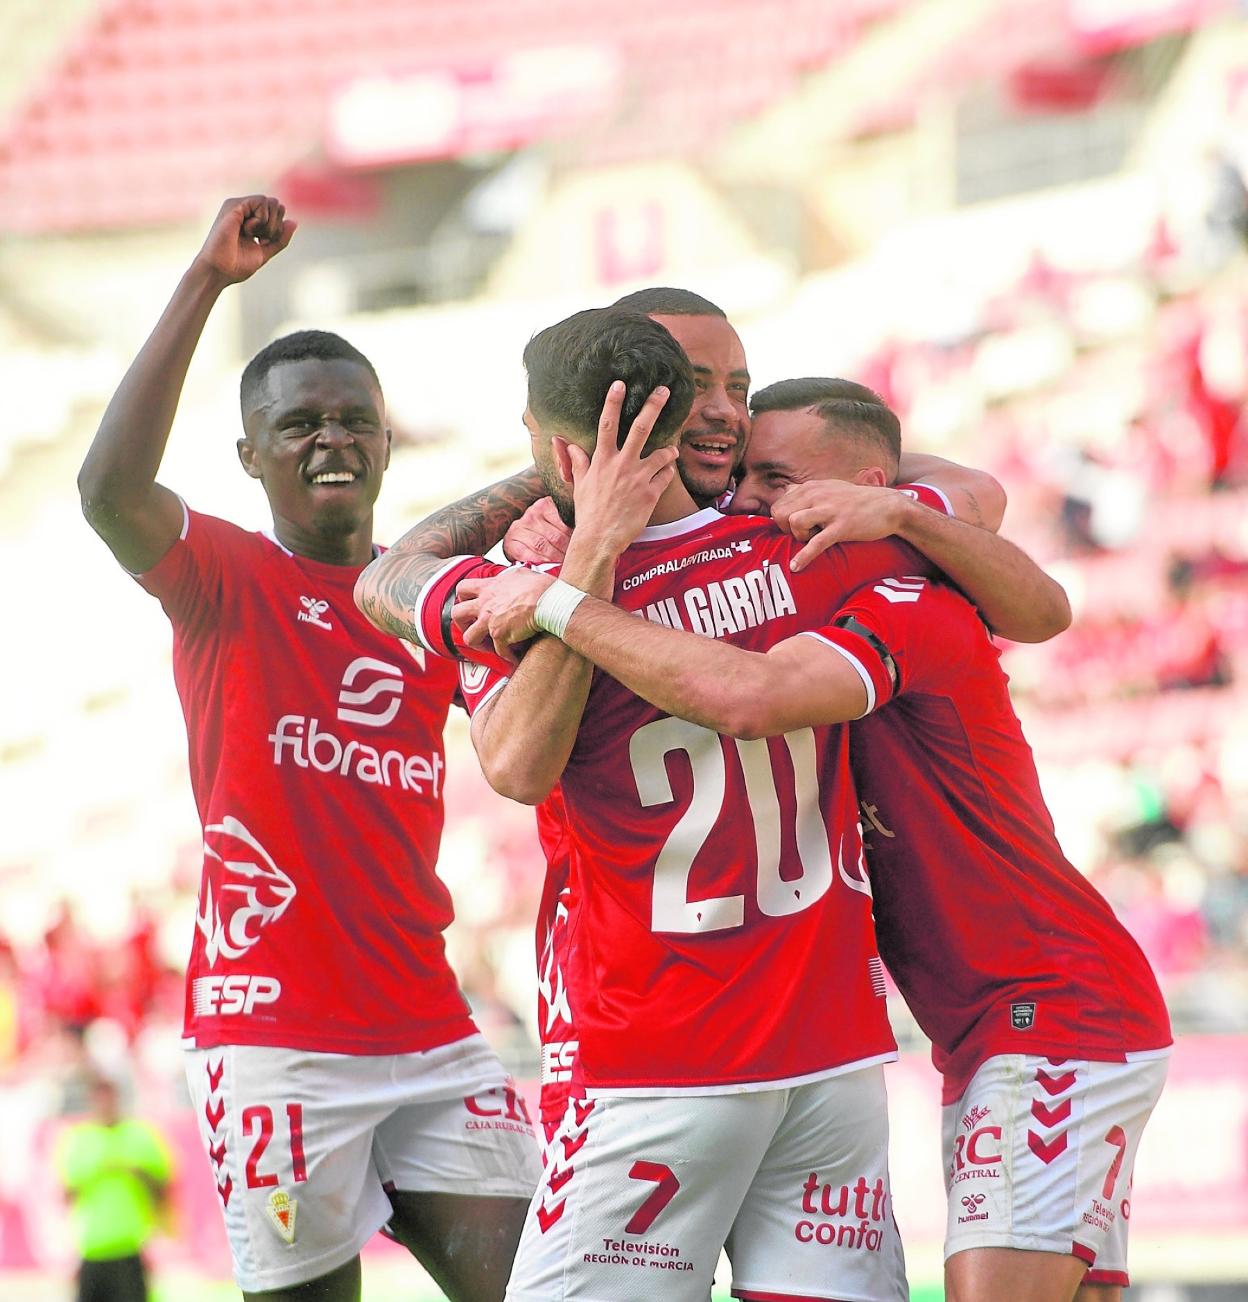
(244, 891)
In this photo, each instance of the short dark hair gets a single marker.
(666, 300)
(573, 363)
(853, 408)
(302, 346)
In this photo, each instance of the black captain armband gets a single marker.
(448, 624)
(852, 625)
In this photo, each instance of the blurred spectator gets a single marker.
(66, 973)
(116, 1173)
(11, 1030)
(1227, 216)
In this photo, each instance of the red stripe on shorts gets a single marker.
(1111, 1277)
(748, 1295)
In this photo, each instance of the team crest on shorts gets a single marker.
(1022, 1016)
(281, 1208)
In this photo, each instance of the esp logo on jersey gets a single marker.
(232, 995)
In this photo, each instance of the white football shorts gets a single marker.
(304, 1146)
(1039, 1155)
(640, 1194)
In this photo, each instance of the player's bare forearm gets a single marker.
(526, 739)
(590, 564)
(126, 452)
(388, 589)
(975, 495)
(727, 689)
(117, 483)
(525, 735)
(690, 676)
(1015, 596)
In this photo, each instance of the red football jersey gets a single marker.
(997, 942)
(555, 1027)
(720, 929)
(556, 1032)
(317, 766)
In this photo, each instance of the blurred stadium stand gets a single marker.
(1023, 221)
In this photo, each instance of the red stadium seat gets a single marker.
(170, 83)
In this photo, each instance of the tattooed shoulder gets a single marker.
(475, 523)
(388, 589)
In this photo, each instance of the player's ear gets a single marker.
(563, 462)
(247, 455)
(872, 477)
(385, 465)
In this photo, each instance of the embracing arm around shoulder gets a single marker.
(390, 587)
(1017, 599)
(739, 693)
(798, 683)
(975, 495)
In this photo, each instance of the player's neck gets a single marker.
(675, 503)
(351, 547)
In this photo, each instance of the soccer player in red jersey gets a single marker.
(1045, 1018)
(338, 1078)
(711, 884)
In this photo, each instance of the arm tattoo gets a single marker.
(976, 515)
(475, 523)
(388, 589)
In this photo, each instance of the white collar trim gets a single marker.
(678, 528)
(273, 538)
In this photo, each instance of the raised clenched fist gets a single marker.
(246, 234)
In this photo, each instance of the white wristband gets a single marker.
(555, 606)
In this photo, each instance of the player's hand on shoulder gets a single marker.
(539, 536)
(498, 613)
(822, 512)
(247, 232)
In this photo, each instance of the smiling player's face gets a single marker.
(786, 448)
(714, 436)
(317, 440)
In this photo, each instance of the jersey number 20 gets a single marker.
(672, 909)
